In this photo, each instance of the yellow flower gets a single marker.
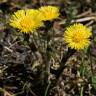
(49, 12)
(77, 36)
(26, 20)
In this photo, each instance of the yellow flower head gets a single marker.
(49, 12)
(77, 36)
(26, 20)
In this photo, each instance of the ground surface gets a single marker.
(21, 65)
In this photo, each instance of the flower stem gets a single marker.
(63, 61)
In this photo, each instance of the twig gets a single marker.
(10, 50)
(89, 23)
(84, 13)
(84, 19)
(7, 93)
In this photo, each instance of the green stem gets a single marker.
(81, 91)
(47, 56)
(47, 89)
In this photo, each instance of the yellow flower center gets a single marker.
(77, 38)
(25, 22)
